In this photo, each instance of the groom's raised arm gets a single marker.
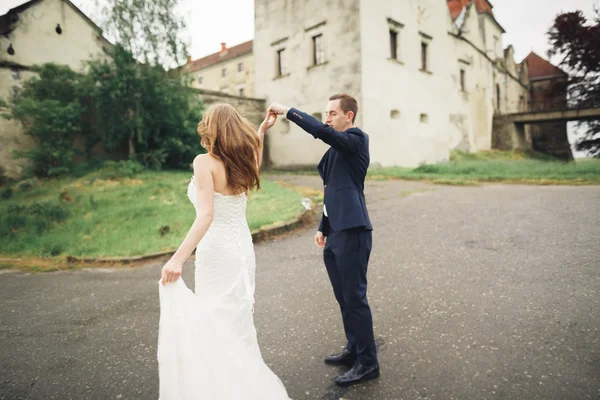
(341, 141)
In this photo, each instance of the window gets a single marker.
(394, 29)
(241, 92)
(318, 50)
(395, 114)
(281, 63)
(318, 116)
(199, 80)
(223, 72)
(393, 44)
(497, 96)
(424, 47)
(462, 81)
(424, 118)
(240, 67)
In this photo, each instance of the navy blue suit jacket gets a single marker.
(343, 169)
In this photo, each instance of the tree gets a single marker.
(577, 43)
(51, 108)
(142, 108)
(138, 103)
(148, 29)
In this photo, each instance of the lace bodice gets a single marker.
(227, 208)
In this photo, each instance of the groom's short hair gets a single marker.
(347, 103)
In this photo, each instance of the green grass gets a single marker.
(490, 166)
(497, 166)
(111, 218)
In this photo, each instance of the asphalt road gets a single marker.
(487, 292)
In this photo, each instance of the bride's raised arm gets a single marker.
(267, 124)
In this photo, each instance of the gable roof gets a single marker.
(540, 68)
(220, 56)
(456, 7)
(8, 20)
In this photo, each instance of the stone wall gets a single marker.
(12, 136)
(507, 135)
(551, 138)
(251, 108)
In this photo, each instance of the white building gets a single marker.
(34, 33)
(229, 71)
(428, 75)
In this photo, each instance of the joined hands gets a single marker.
(273, 111)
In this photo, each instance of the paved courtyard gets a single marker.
(489, 292)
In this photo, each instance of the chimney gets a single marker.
(223, 47)
(189, 59)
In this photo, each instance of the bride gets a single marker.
(207, 345)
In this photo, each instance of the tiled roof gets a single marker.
(215, 58)
(456, 6)
(541, 68)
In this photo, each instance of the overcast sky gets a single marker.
(211, 22)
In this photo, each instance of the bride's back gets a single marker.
(219, 174)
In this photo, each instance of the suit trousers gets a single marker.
(346, 257)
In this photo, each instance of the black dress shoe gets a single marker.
(346, 357)
(358, 373)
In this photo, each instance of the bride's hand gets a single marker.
(268, 122)
(171, 271)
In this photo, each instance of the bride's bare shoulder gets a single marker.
(206, 160)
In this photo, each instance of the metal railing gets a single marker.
(550, 104)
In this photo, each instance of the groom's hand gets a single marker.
(320, 239)
(278, 109)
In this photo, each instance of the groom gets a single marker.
(344, 233)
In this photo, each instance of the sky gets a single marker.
(211, 22)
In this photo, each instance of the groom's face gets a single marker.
(336, 118)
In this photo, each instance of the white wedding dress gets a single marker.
(207, 345)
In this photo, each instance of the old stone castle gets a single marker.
(429, 75)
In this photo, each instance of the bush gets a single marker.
(7, 193)
(50, 107)
(116, 170)
(40, 215)
(133, 109)
(27, 184)
(3, 178)
(428, 168)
